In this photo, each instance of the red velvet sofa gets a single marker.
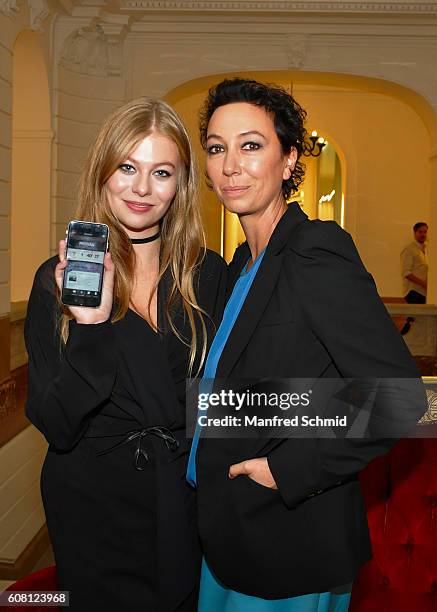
(400, 491)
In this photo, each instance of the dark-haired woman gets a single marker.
(282, 521)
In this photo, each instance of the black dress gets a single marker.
(122, 520)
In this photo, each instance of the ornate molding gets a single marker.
(39, 10)
(412, 8)
(93, 52)
(7, 7)
(430, 417)
(296, 50)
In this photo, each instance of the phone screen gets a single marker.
(83, 277)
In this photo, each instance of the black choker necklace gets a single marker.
(144, 240)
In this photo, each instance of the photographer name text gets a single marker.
(275, 421)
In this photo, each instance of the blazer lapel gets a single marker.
(239, 259)
(250, 313)
(261, 289)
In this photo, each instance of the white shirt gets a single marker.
(414, 261)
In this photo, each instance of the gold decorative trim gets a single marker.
(430, 416)
(412, 8)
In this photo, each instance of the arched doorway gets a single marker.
(360, 118)
(223, 229)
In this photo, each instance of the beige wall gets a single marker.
(432, 250)
(386, 149)
(84, 101)
(31, 157)
(212, 211)
(309, 187)
(6, 42)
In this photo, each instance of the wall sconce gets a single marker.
(315, 146)
(327, 198)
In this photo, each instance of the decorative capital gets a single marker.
(430, 416)
(7, 7)
(285, 6)
(39, 10)
(296, 50)
(93, 52)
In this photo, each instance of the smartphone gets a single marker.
(87, 244)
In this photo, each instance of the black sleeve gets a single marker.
(66, 383)
(212, 286)
(339, 300)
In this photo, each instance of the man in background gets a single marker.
(414, 265)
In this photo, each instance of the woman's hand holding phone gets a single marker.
(83, 314)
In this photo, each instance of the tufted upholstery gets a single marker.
(400, 492)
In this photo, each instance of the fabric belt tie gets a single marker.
(139, 434)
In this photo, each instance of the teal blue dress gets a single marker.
(214, 596)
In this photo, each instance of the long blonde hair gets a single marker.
(182, 235)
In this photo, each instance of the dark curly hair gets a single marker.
(418, 225)
(288, 117)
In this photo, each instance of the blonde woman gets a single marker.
(107, 384)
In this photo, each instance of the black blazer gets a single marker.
(312, 311)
